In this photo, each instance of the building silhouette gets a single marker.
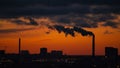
(2, 52)
(56, 59)
(111, 52)
(56, 53)
(24, 52)
(43, 51)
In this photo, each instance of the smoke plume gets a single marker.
(70, 31)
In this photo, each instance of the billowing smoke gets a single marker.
(70, 31)
(82, 31)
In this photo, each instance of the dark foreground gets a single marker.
(36, 61)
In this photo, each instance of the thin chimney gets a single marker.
(19, 45)
(93, 45)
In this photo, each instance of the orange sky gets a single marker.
(33, 40)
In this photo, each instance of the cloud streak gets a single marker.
(15, 30)
(87, 20)
(82, 20)
(111, 24)
(21, 22)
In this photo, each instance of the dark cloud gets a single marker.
(16, 8)
(100, 17)
(83, 20)
(32, 21)
(82, 23)
(111, 24)
(71, 31)
(64, 20)
(17, 3)
(62, 9)
(15, 30)
(21, 22)
(80, 20)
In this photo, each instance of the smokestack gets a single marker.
(71, 31)
(93, 45)
(19, 45)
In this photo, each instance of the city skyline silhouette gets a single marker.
(56, 57)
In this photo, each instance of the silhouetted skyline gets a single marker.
(56, 57)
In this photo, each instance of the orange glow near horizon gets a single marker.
(33, 40)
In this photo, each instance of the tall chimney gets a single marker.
(93, 46)
(19, 45)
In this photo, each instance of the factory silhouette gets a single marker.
(56, 59)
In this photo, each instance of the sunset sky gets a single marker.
(52, 23)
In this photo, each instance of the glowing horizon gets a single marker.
(34, 39)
